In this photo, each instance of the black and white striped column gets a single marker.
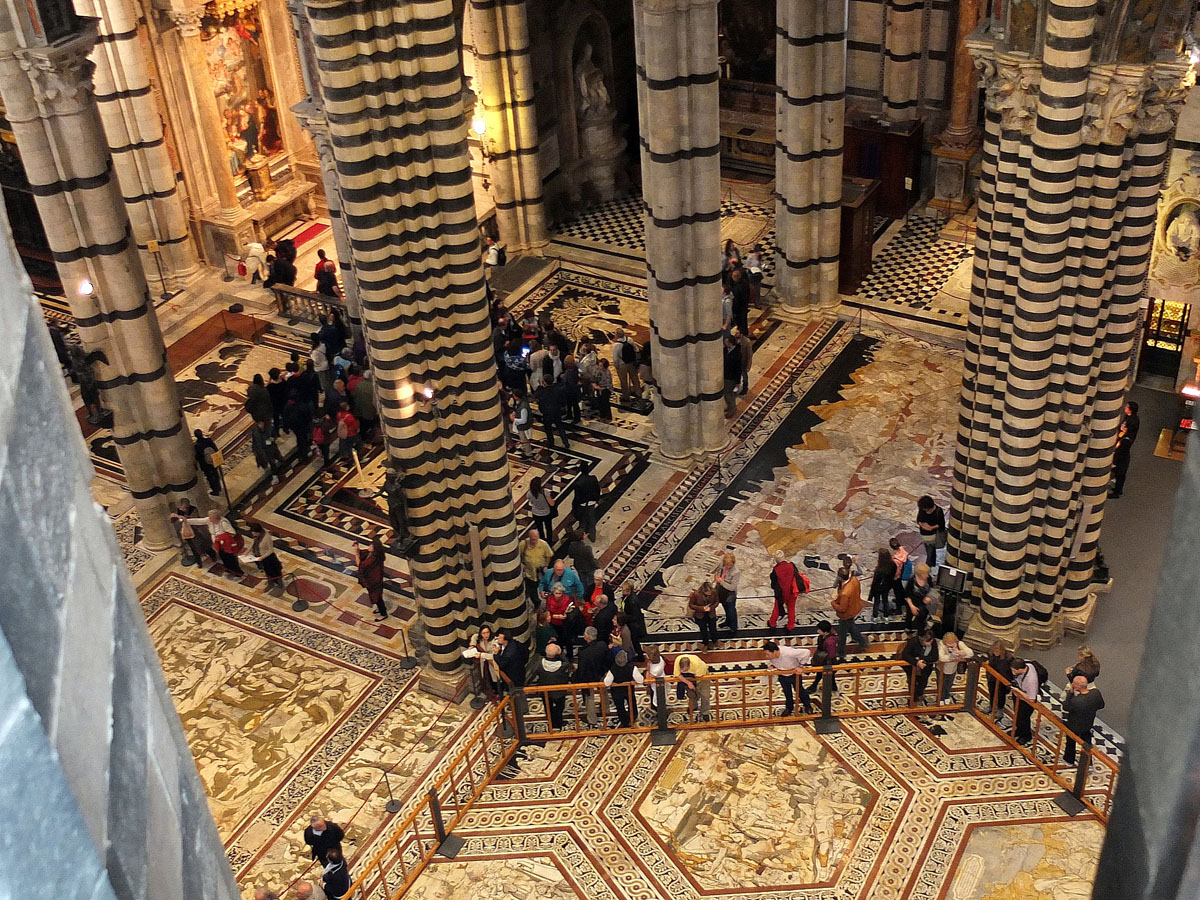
(392, 89)
(810, 61)
(47, 94)
(1072, 157)
(903, 36)
(133, 127)
(681, 188)
(504, 83)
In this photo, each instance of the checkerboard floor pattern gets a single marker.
(912, 268)
(620, 223)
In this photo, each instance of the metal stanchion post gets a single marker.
(478, 701)
(1071, 802)
(409, 662)
(662, 736)
(393, 805)
(449, 845)
(827, 723)
(301, 604)
(519, 708)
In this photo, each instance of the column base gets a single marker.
(1079, 619)
(446, 685)
(951, 174)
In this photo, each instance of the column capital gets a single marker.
(186, 19)
(1011, 85)
(61, 74)
(1169, 85)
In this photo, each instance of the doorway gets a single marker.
(1166, 328)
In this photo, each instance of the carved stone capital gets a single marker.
(1010, 86)
(1113, 100)
(1168, 88)
(186, 19)
(61, 75)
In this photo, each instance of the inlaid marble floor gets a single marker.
(886, 809)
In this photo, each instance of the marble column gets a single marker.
(392, 92)
(195, 67)
(1073, 151)
(311, 116)
(676, 43)
(134, 129)
(903, 37)
(504, 83)
(48, 98)
(810, 65)
(957, 147)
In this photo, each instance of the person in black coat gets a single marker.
(635, 617)
(280, 392)
(511, 660)
(587, 503)
(604, 618)
(593, 666)
(204, 448)
(732, 366)
(921, 654)
(1126, 435)
(297, 418)
(554, 670)
(1080, 706)
(321, 837)
(336, 878)
(551, 402)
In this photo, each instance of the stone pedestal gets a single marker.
(681, 187)
(952, 168)
(48, 99)
(259, 174)
(602, 152)
(404, 183)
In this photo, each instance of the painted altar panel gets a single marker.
(242, 84)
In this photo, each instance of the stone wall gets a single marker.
(101, 789)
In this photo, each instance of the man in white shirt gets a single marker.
(787, 663)
(1025, 687)
(320, 363)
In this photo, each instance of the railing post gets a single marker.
(972, 686)
(519, 707)
(827, 723)
(449, 845)
(1071, 802)
(662, 736)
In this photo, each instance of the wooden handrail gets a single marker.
(374, 868)
(1045, 714)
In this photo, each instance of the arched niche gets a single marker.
(582, 23)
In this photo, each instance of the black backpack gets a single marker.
(501, 256)
(628, 352)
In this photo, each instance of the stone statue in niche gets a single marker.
(593, 97)
(1175, 260)
(595, 175)
(1183, 231)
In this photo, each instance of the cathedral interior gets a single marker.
(674, 284)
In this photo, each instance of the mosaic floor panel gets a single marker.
(766, 812)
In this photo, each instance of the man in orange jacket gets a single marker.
(848, 604)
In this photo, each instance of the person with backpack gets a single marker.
(205, 448)
(848, 603)
(788, 583)
(625, 358)
(347, 431)
(1027, 681)
(323, 434)
(494, 255)
(881, 585)
(826, 652)
(522, 421)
